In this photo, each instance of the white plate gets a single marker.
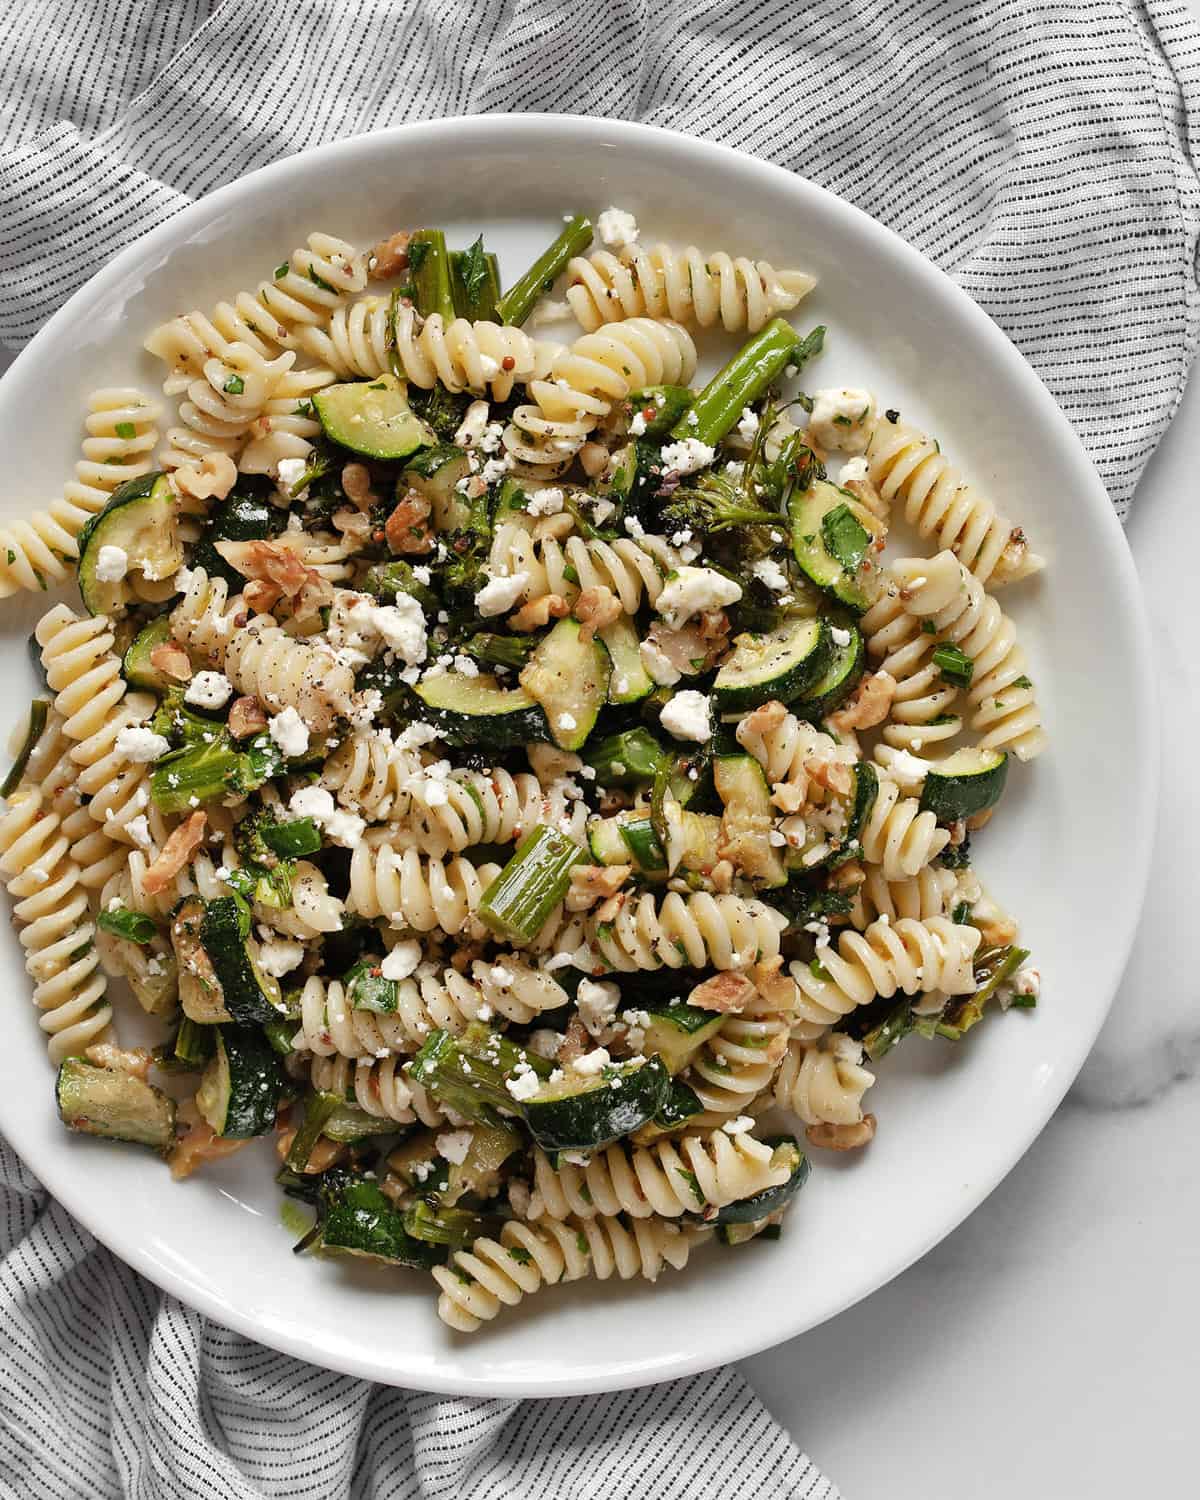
(1069, 852)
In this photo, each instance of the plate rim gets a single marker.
(602, 130)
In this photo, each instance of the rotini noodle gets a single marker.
(282, 672)
(738, 1063)
(461, 355)
(684, 285)
(897, 835)
(824, 1081)
(727, 932)
(379, 1086)
(931, 892)
(410, 890)
(633, 570)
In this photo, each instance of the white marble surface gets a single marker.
(1048, 1348)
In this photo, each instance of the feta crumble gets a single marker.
(453, 1145)
(770, 575)
(524, 1082)
(209, 690)
(278, 957)
(687, 455)
(617, 228)
(691, 591)
(842, 419)
(289, 732)
(546, 502)
(592, 1062)
(316, 803)
(141, 745)
(687, 716)
(112, 564)
(597, 1004)
(500, 594)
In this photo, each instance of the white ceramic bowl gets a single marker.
(1069, 851)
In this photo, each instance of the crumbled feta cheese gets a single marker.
(402, 626)
(748, 425)
(316, 803)
(635, 528)
(289, 732)
(840, 637)
(544, 1042)
(1028, 982)
(209, 690)
(842, 419)
(690, 591)
(770, 574)
(688, 455)
(738, 1126)
(112, 564)
(141, 745)
(853, 469)
(524, 1082)
(453, 1145)
(139, 831)
(616, 228)
(687, 716)
(496, 468)
(601, 510)
(423, 575)
(402, 959)
(656, 663)
(278, 957)
(546, 502)
(597, 1004)
(289, 472)
(566, 721)
(500, 594)
(415, 735)
(547, 311)
(638, 425)
(471, 428)
(592, 1062)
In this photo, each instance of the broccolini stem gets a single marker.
(430, 264)
(742, 381)
(475, 281)
(518, 302)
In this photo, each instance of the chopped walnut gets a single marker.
(261, 596)
(593, 459)
(539, 612)
(611, 909)
(406, 529)
(172, 661)
(776, 988)
(721, 876)
(863, 490)
(958, 832)
(275, 562)
(766, 717)
(389, 257)
(727, 992)
(997, 930)
(324, 1154)
(842, 1137)
(575, 1042)
(869, 703)
(595, 609)
(213, 479)
(133, 1060)
(356, 486)
(613, 800)
(592, 883)
(176, 853)
(198, 1142)
(246, 717)
(847, 877)
(789, 796)
(834, 775)
(352, 524)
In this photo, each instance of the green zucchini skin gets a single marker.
(783, 663)
(115, 1105)
(808, 511)
(968, 782)
(846, 666)
(477, 711)
(140, 519)
(598, 1113)
(770, 1200)
(677, 1032)
(39, 714)
(569, 677)
(357, 1219)
(242, 1084)
(223, 937)
(372, 417)
(136, 667)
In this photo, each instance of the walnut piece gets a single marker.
(246, 717)
(842, 1137)
(539, 612)
(595, 609)
(389, 257)
(176, 853)
(356, 486)
(197, 1142)
(766, 717)
(727, 992)
(133, 1060)
(592, 883)
(172, 661)
(406, 529)
(868, 704)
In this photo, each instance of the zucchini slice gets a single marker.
(749, 1210)
(626, 759)
(677, 1032)
(372, 417)
(847, 662)
(357, 1219)
(113, 1104)
(741, 784)
(782, 663)
(434, 474)
(200, 995)
(139, 521)
(581, 1113)
(630, 682)
(240, 518)
(832, 536)
(135, 664)
(967, 782)
(240, 1090)
(248, 995)
(478, 711)
(39, 713)
(569, 677)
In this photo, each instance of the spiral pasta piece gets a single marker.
(585, 380)
(727, 932)
(52, 768)
(206, 618)
(633, 570)
(906, 955)
(686, 285)
(906, 465)
(473, 807)
(379, 1086)
(314, 909)
(492, 1274)
(222, 405)
(931, 892)
(669, 1178)
(824, 1081)
(411, 890)
(367, 772)
(462, 355)
(919, 715)
(51, 911)
(897, 835)
(42, 548)
(737, 1064)
(283, 672)
(287, 422)
(941, 591)
(431, 1000)
(792, 752)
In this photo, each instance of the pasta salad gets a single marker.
(509, 773)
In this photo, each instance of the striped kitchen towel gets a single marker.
(1041, 151)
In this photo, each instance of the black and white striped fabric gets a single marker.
(1041, 151)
